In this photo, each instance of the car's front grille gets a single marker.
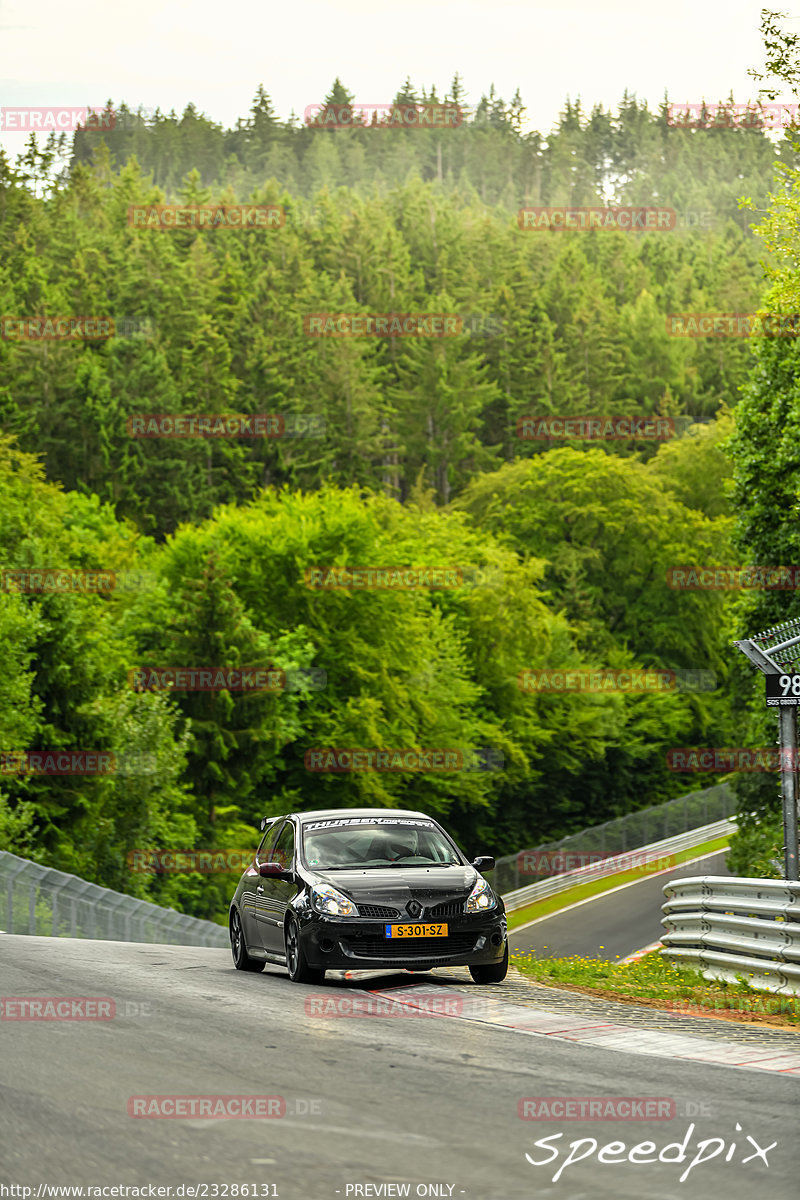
(378, 911)
(430, 947)
(453, 908)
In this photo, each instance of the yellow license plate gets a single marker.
(415, 931)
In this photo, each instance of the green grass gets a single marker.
(595, 887)
(654, 981)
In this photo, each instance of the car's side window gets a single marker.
(283, 851)
(268, 841)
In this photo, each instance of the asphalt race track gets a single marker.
(612, 925)
(369, 1100)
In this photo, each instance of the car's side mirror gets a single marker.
(275, 870)
(484, 862)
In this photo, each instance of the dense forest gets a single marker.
(389, 452)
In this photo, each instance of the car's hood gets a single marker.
(384, 885)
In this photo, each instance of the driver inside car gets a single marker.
(397, 850)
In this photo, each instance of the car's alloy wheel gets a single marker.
(491, 972)
(296, 964)
(241, 959)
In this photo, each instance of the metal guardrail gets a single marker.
(40, 900)
(730, 927)
(645, 826)
(643, 858)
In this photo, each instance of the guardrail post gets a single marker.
(787, 717)
(12, 867)
(773, 661)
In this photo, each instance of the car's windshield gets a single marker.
(341, 843)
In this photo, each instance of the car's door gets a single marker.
(253, 902)
(278, 892)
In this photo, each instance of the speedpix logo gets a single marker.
(615, 1153)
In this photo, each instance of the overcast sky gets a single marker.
(216, 52)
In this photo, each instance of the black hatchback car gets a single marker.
(365, 888)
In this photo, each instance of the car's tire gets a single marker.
(241, 959)
(491, 972)
(296, 964)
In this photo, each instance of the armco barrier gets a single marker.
(40, 900)
(615, 864)
(643, 827)
(730, 927)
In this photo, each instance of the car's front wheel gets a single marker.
(296, 963)
(491, 972)
(241, 959)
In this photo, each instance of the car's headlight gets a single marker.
(481, 898)
(332, 902)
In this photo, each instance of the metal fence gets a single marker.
(40, 900)
(732, 927)
(634, 830)
(644, 860)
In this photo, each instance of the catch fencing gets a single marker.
(731, 928)
(40, 900)
(631, 832)
(645, 859)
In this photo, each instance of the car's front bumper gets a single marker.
(356, 943)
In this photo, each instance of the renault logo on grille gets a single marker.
(413, 908)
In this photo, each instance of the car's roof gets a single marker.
(367, 813)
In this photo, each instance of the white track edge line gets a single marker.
(619, 888)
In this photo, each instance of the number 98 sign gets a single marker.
(783, 689)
